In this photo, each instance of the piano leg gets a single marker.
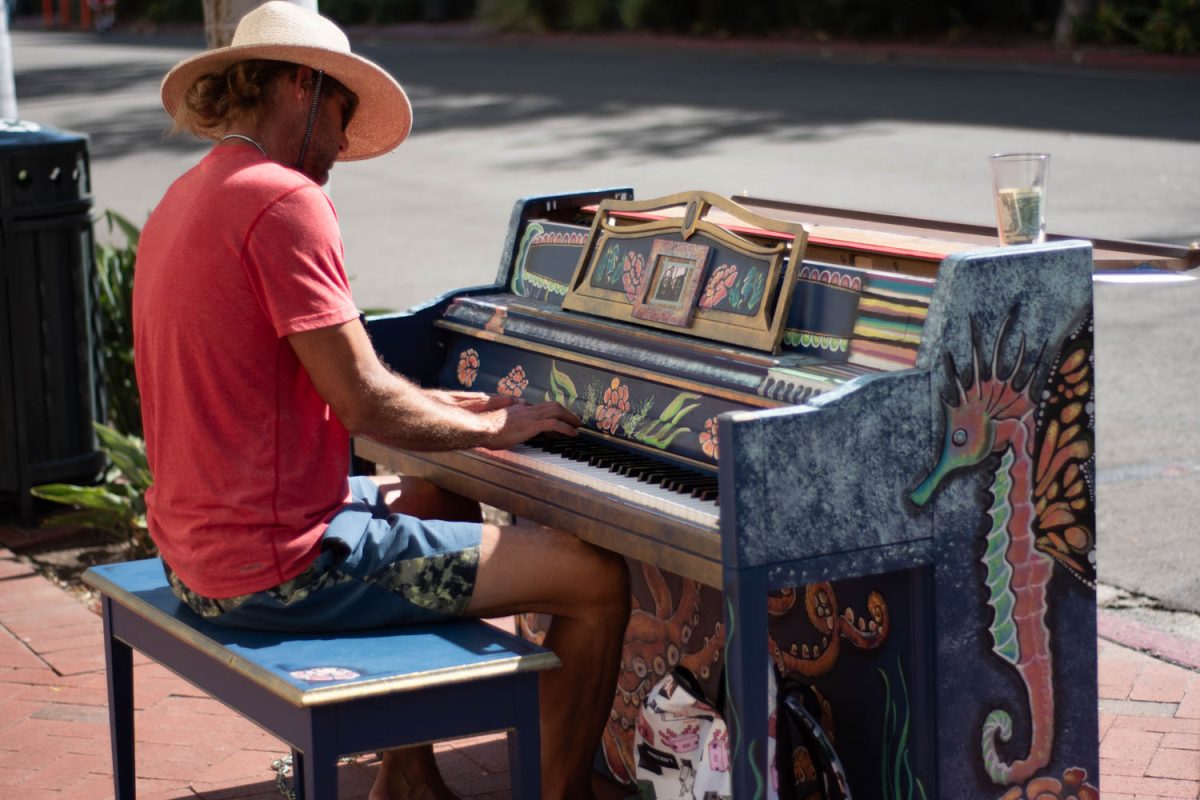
(746, 678)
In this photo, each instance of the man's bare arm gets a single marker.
(371, 400)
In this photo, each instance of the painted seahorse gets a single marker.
(995, 414)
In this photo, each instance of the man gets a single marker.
(254, 367)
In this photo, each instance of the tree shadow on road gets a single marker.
(660, 103)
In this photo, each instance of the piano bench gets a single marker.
(326, 695)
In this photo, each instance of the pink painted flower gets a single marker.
(513, 383)
(719, 284)
(468, 367)
(614, 406)
(708, 438)
(631, 274)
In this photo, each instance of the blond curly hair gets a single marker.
(239, 94)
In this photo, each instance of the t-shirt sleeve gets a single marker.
(294, 262)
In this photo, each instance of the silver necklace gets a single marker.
(244, 138)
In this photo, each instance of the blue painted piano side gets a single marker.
(822, 492)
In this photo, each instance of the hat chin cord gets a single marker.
(312, 119)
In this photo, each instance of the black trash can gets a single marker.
(50, 383)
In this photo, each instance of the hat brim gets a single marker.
(381, 121)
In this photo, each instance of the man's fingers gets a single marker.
(560, 427)
(557, 411)
(502, 401)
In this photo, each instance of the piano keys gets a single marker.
(775, 436)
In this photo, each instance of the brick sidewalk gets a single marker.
(54, 721)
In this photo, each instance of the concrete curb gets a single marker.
(1152, 641)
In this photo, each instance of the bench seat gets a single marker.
(326, 695)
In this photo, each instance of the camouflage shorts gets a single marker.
(374, 569)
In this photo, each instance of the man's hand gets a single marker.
(477, 402)
(516, 419)
(372, 401)
(522, 421)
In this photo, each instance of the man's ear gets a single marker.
(301, 83)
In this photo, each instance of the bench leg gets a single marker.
(317, 779)
(298, 774)
(118, 660)
(525, 741)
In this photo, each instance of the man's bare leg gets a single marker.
(586, 589)
(411, 773)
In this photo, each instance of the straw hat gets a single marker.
(283, 31)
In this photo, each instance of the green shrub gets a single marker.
(512, 16)
(1157, 26)
(114, 275)
(1174, 27)
(591, 15)
(116, 505)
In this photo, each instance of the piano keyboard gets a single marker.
(634, 479)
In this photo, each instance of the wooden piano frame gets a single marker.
(974, 470)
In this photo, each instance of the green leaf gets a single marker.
(93, 497)
(756, 291)
(131, 231)
(561, 386)
(662, 443)
(128, 454)
(672, 411)
(88, 518)
(682, 413)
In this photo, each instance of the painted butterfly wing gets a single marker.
(1064, 475)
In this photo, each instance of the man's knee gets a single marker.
(420, 498)
(611, 582)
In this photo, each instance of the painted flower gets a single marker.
(708, 438)
(631, 274)
(468, 367)
(614, 406)
(719, 284)
(513, 383)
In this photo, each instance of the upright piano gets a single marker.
(784, 405)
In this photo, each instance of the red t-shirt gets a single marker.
(249, 462)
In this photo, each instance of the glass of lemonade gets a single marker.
(1019, 181)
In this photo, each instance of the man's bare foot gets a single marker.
(410, 773)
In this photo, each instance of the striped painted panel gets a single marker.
(891, 315)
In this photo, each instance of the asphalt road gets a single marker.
(499, 119)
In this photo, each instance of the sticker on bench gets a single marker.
(322, 674)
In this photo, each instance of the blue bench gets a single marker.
(326, 695)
